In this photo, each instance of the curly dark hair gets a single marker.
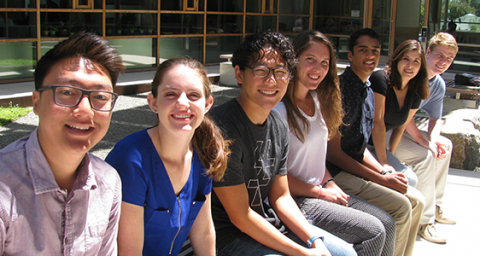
(85, 45)
(253, 47)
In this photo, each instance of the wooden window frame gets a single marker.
(189, 8)
(77, 5)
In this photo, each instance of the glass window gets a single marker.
(181, 24)
(178, 5)
(338, 17)
(381, 22)
(64, 24)
(295, 7)
(55, 4)
(174, 47)
(225, 5)
(224, 24)
(341, 46)
(98, 4)
(293, 24)
(18, 4)
(47, 46)
(262, 6)
(136, 52)
(256, 23)
(217, 45)
(254, 6)
(131, 4)
(18, 25)
(122, 24)
(17, 60)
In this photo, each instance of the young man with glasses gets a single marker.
(55, 197)
(252, 209)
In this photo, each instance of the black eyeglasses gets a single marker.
(70, 96)
(262, 71)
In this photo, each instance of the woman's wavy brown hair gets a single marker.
(208, 140)
(419, 83)
(328, 91)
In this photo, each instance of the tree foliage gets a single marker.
(459, 8)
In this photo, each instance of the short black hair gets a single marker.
(85, 45)
(353, 40)
(251, 50)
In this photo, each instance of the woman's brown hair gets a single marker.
(419, 83)
(208, 140)
(328, 91)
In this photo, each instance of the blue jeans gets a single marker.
(399, 167)
(246, 245)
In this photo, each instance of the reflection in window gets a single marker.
(262, 6)
(217, 45)
(18, 4)
(122, 24)
(225, 5)
(17, 60)
(136, 52)
(256, 24)
(295, 7)
(341, 46)
(343, 26)
(174, 47)
(181, 24)
(64, 24)
(132, 5)
(338, 17)
(224, 24)
(293, 24)
(178, 5)
(46, 46)
(56, 4)
(18, 25)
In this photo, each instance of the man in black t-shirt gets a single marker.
(252, 209)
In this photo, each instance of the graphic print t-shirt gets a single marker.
(259, 153)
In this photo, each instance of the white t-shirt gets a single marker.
(306, 161)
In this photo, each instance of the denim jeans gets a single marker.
(246, 245)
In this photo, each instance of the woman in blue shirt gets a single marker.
(166, 170)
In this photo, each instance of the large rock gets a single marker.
(462, 127)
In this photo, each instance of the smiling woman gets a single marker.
(167, 170)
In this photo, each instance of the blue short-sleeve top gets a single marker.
(145, 182)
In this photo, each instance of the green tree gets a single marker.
(475, 4)
(459, 8)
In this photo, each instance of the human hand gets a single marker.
(442, 151)
(318, 249)
(396, 181)
(335, 195)
(388, 168)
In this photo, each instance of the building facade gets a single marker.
(145, 32)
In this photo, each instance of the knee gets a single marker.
(402, 207)
(417, 199)
(412, 177)
(448, 143)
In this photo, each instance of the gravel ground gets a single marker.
(131, 114)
